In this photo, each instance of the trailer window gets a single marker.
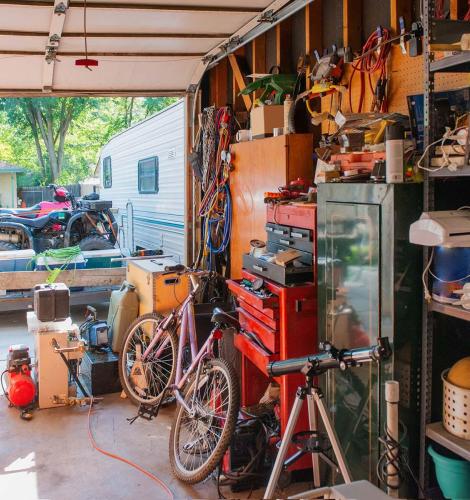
(107, 172)
(148, 175)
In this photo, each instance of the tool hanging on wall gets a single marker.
(218, 130)
(326, 80)
(373, 61)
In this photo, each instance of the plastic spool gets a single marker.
(456, 408)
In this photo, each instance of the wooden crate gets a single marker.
(158, 291)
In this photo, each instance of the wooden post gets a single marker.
(218, 84)
(399, 8)
(258, 48)
(313, 33)
(238, 80)
(284, 45)
(458, 9)
(352, 24)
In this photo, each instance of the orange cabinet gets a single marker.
(259, 166)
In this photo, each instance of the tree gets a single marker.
(59, 139)
(48, 120)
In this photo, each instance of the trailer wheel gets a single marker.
(95, 243)
(5, 246)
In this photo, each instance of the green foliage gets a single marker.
(85, 124)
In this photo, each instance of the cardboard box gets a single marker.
(264, 119)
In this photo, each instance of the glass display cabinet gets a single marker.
(369, 286)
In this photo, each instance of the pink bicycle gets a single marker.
(152, 366)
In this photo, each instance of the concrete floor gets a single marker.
(51, 457)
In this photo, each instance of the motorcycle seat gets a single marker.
(27, 213)
(37, 223)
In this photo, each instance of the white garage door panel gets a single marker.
(169, 45)
(152, 21)
(157, 64)
(29, 43)
(125, 75)
(20, 72)
(261, 4)
(19, 17)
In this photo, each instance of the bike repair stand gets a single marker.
(313, 443)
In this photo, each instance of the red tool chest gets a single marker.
(279, 326)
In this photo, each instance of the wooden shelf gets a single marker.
(458, 63)
(450, 310)
(459, 446)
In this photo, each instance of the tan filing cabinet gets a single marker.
(158, 291)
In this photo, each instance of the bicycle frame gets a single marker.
(185, 317)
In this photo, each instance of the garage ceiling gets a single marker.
(145, 47)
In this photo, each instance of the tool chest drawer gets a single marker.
(254, 353)
(268, 305)
(277, 230)
(290, 237)
(305, 257)
(272, 321)
(304, 215)
(280, 274)
(268, 337)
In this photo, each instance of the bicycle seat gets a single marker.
(222, 318)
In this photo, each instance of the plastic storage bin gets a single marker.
(453, 475)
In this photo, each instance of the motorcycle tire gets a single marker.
(6, 246)
(95, 243)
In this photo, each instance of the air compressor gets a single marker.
(20, 388)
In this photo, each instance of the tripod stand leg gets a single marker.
(332, 437)
(286, 441)
(312, 418)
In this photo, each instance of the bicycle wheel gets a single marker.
(199, 439)
(145, 381)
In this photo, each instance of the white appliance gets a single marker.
(445, 228)
(51, 373)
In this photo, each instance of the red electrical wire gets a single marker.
(467, 15)
(121, 459)
(439, 10)
(372, 62)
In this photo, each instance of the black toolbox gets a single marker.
(293, 273)
(99, 372)
(290, 237)
(97, 205)
(51, 302)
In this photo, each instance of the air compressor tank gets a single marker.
(123, 310)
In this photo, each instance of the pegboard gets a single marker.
(406, 77)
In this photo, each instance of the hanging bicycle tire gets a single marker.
(145, 381)
(199, 439)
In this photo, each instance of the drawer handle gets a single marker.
(260, 268)
(285, 242)
(280, 231)
(297, 235)
(269, 228)
(171, 281)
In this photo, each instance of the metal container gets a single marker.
(456, 408)
(369, 286)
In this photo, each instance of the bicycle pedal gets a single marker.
(148, 411)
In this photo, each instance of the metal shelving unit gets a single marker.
(437, 32)
(458, 63)
(459, 446)
(450, 310)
